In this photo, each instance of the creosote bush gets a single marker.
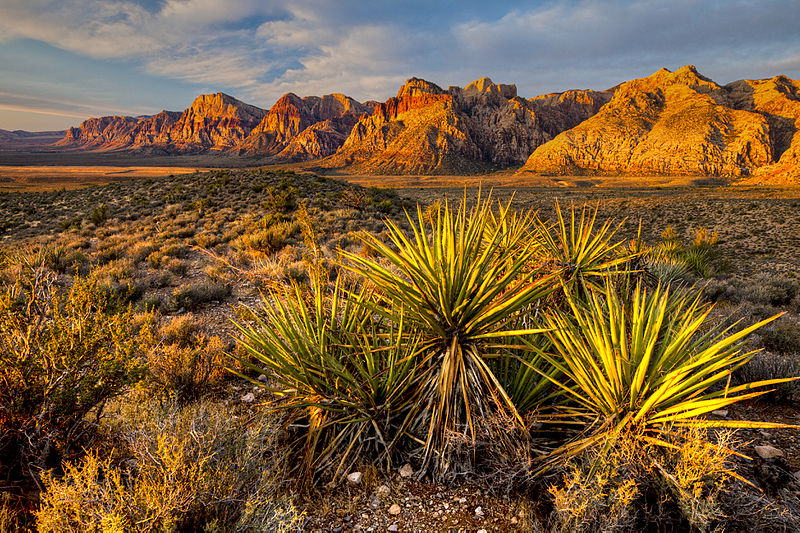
(63, 353)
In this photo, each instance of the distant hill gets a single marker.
(26, 140)
(669, 123)
(683, 123)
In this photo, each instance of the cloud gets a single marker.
(184, 39)
(61, 107)
(209, 68)
(260, 49)
(40, 111)
(589, 42)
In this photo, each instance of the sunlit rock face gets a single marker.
(428, 130)
(778, 101)
(668, 123)
(305, 128)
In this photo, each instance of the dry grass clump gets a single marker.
(185, 363)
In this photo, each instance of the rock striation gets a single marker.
(668, 123)
(304, 128)
(778, 101)
(428, 130)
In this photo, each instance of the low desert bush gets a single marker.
(194, 468)
(768, 365)
(63, 353)
(782, 337)
(772, 290)
(190, 296)
(186, 363)
(628, 484)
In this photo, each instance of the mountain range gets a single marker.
(669, 123)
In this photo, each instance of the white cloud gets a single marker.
(209, 68)
(317, 47)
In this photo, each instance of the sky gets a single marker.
(62, 61)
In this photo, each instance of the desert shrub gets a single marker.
(280, 199)
(196, 468)
(61, 259)
(772, 290)
(63, 353)
(266, 241)
(190, 296)
(782, 337)
(140, 251)
(206, 239)
(767, 366)
(99, 215)
(186, 363)
(625, 485)
(177, 266)
(719, 290)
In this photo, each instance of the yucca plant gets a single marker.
(581, 253)
(346, 379)
(647, 362)
(459, 279)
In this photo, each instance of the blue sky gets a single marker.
(65, 60)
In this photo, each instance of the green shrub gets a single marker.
(99, 215)
(63, 353)
(190, 296)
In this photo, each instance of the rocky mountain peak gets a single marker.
(486, 85)
(418, 87)
(221, 105)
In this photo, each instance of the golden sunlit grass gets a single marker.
(38, 178)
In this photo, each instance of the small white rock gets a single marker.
(262, 378)
(249, 397)
(406, 471)
(768, 452)
(382, 491)
(392, 528)
(482, 531)
(394, 510)
(479, 511)
(720, 412)
(354, 478)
